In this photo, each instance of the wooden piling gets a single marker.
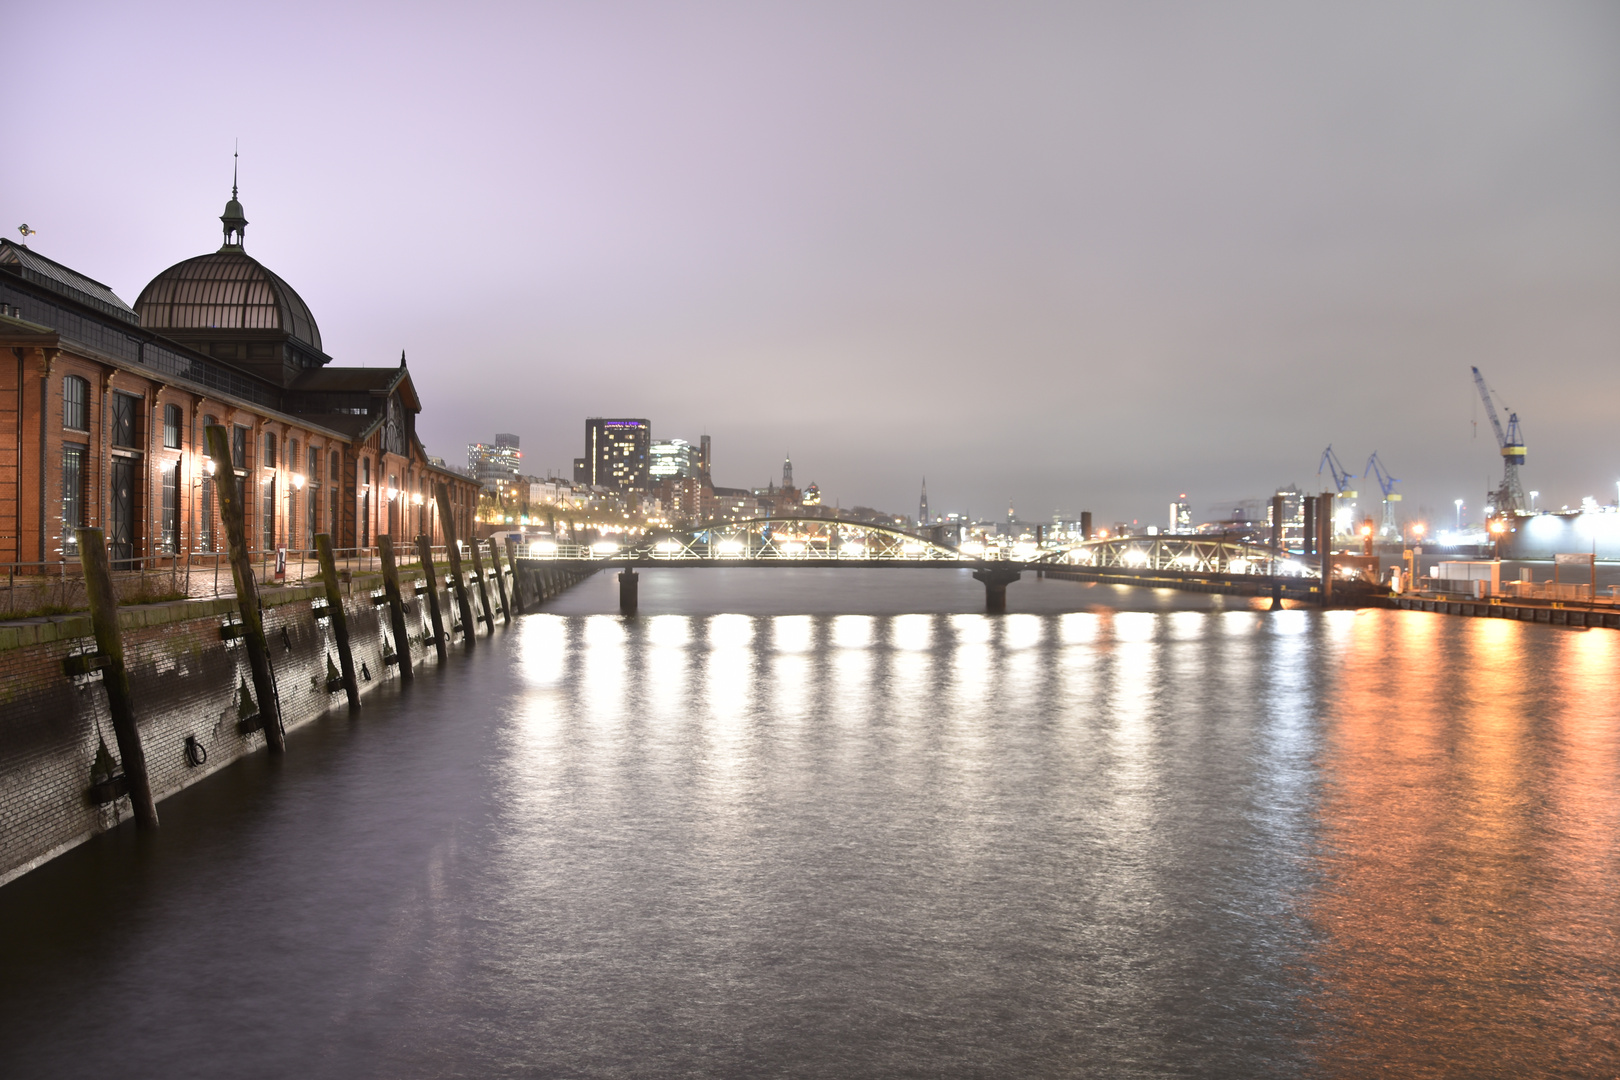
(483, 584)
(340, 619)
(396, 606)
(628, 589)
(517, 578)
(98, 586)
(447, 518)
(1324, 543)
(500, 580)
(247, 589)
(424, 551)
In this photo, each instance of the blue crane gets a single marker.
(1509, 495)
(1386, 484)
(1341, 479)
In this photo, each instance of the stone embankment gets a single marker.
(193, 692)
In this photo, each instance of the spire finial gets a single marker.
(402, 358)
(234, 220)
(236, 154)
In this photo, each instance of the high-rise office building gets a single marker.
(618, 453)
(673, 458)
(922, 506)
(704, 460)
(499, 460)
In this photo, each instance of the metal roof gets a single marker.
(59, 279)
(225, 290)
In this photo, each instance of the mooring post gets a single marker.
(247, 589)
(1324, 544)
(500, 580)
(996, 579)
(98, 586)
(424, 551)
(517, 578)
(628, 586)
(1276, 551)
(483, 584)
(396, 606)
(469, 630)
(340, 619)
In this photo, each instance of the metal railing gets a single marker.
(56, 586)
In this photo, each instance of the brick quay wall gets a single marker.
(188, 676)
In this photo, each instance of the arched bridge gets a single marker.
(1198, 563)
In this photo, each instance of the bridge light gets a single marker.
(972, 548)
(668, 547)
(729, 549)
(604, 547)
(543, 548)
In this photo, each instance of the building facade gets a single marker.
(103, 409)
(499, 462)
(618, 454)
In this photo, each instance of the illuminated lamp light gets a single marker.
(912, 548)
(972, 548)
(668, 547)
(543, 547)
(729, 549)
(298, 481)
(604, 547)
(1135, 557)
(208, 466)
(793, 547)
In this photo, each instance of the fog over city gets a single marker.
(1068, 256)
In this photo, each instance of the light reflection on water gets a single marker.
(1215, 842)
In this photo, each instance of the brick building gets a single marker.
(102, 410)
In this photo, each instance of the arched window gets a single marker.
(171, 427)
(75, 403)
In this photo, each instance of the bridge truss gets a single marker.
(1191, 554)
(776, 539)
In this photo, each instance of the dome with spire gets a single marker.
(230, 305)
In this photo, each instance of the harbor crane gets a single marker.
(1341, 479)
(1386, 484)
(1508, 498)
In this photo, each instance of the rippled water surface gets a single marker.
(764, 838)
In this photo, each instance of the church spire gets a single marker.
(234, 220)
(922, 506)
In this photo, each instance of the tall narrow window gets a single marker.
(126, 410)
(267, 518)
(171, 427)
(269, 450)
(206, 514)
(314, 465)
(169, 539)
(75, 403)
(206, 510)
(292, 454)
(239, 439)
(74, 458)
(337, 469)
(365, 502)
(311, 526)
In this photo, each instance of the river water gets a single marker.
(841, 824)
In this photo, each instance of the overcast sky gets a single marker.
(1075, 256)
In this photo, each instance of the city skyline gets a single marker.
(1076, 258)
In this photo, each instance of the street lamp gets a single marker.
(1459, 515)
(1498, 527)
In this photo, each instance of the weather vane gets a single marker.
(26, 231)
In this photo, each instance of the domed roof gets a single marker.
(226, 290)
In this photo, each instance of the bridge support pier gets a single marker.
(996, 579)
(628, 584)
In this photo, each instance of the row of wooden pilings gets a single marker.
(109, 655)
